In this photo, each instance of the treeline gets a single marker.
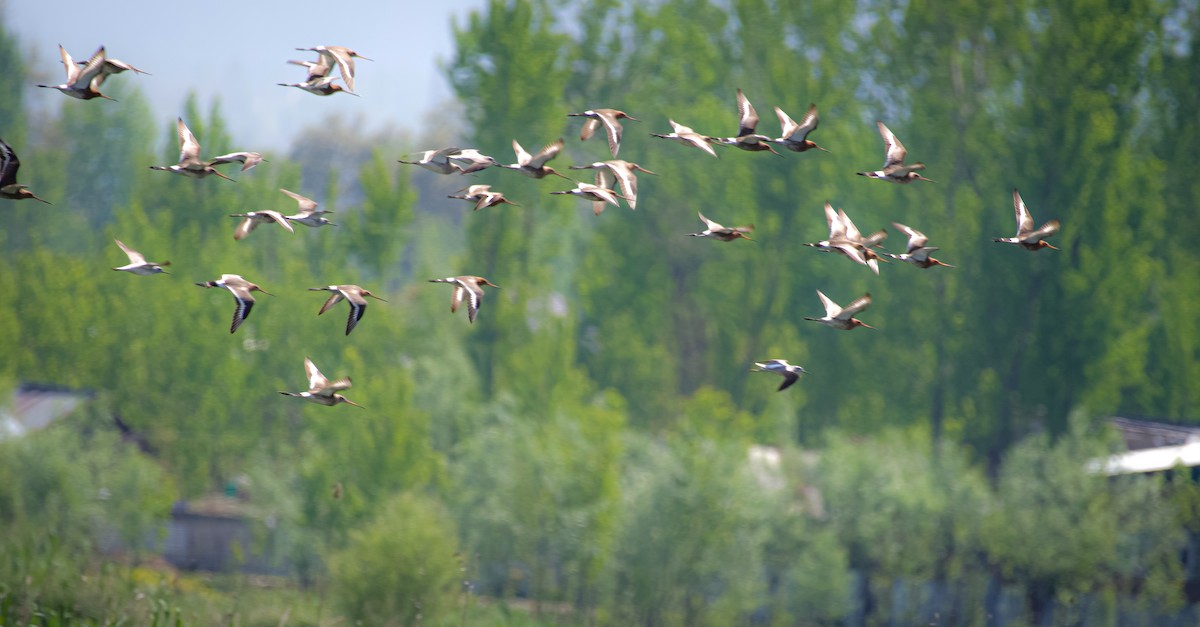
(587, 443)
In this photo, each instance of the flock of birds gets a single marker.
(84, 79)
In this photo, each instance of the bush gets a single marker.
(401, 568)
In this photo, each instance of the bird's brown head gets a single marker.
(338, 398)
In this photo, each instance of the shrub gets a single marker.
(399, 569)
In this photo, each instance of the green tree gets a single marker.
(400, 569)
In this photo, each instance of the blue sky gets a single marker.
(238, 51)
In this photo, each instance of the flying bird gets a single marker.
(916, 253)
(469, 288)
(470, 160)
(340, 56)
(353, 295)
(610, 118)
(308, 214)
(482, 195)
(534, 166)
(894, 169)
(192, 166)
(723, 233)
(618, 171)
(240, 288)
(846, 239)
(83, 82)
(1028, 237)
(323, 86)
(843, 317)
(598, 195)
(437, 161)
(251, 220)
(9, 164)
(781, 367)
(138, 264)
(321, 390)
(795, 136)
(687, 137)
(747, 138)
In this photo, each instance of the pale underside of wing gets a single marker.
(305, 203)
(134, 256)
(189, 148)
(831, 308)
(894, 150)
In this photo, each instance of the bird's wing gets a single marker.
(474, 295)
(134, 256)
(523, 157)
(852, 232)
(589, 128)
(837, 230)
(247, 159)
(893, 149)
(8, 164)
(627, 181)
(548, 152)
(329, 387)
(333, 299)
(189, 148)
(1042, 232)
(921, 254)
(306, 204)
(613, 129)
(244, 227)
(279, 219)
(747, 116)
(916, 239)
(69, 64)
(808, 124)
(358, 306)
(679, 128)
(786, 124)
(853, 251)
(698, 141)
(315, 378)
(345, 64)
(831, 308)
(244, 303)
(858, 305)
(1024, 220)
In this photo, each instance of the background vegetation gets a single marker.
(590, 450)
